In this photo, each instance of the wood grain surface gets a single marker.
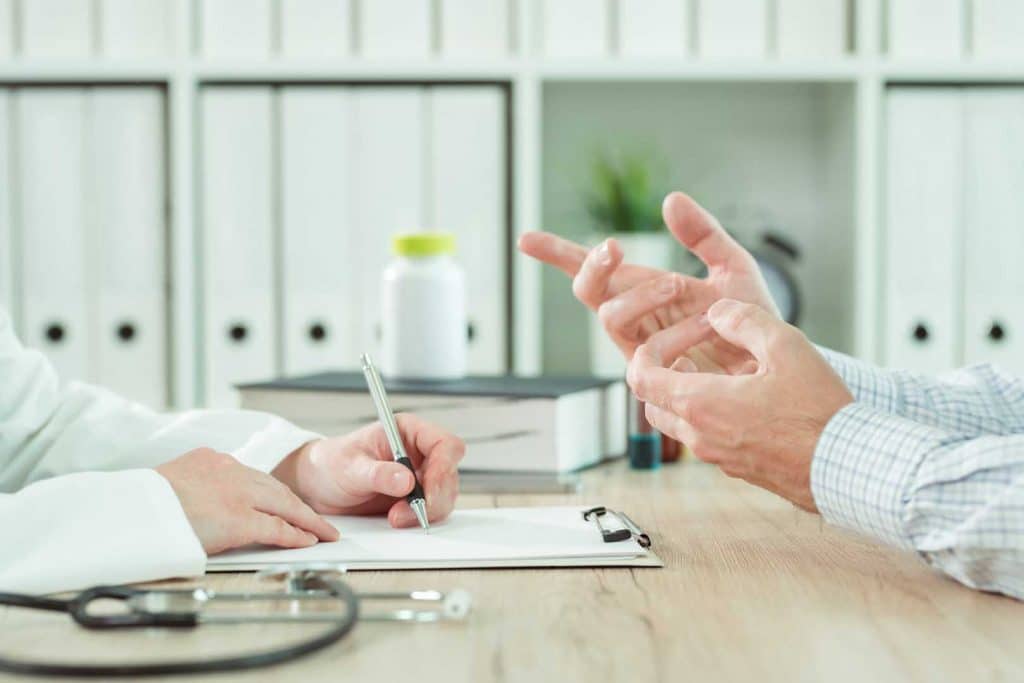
(753, 589)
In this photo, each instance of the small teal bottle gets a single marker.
(644, 442)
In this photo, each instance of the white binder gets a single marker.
(574, 28)
(388, 190)
(395, 28)
(810, 28)
(316, 28)
(7, 259)
(56, 28)
(51, 169)
(998, 27)
(235, 28)
(237, 240)
(475, 28)
(994, 228)
(6, 28)
(135, 28)
(319, 246)
(468, 179)
(923, 238)
(732, 28)
(653, 28)
(127, 233)
(926, 28)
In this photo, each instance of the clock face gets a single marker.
(783, 289)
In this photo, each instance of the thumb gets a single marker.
(366, 474)
(747, 326)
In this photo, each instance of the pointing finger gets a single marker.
(700, 232)
(676, 340)
(747, 326)
(553, 250)
(591, 284)
(276, 499)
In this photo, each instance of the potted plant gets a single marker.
(623, 200)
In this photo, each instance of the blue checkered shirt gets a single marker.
(932, 465)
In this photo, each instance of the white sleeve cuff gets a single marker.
(266, 448)
(91, 528)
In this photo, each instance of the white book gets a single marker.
(921, 29)
(56, 28)
(235, 28)
(811, 28)
(574, 28)
(316, 28)
(468, 189)
(395, 28)
(389, 193)
(510, 424)
(127, 233)
(923, 217)
(6, 28)
(994, 228)
(475, 28)
(320, 255)
(653, 28)
(998, 29)
(238, 296)
(732, 28)
(51, 173)
(135, 28)
(498, 537)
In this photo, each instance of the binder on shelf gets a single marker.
(993, 217)
(467, 186)
(127, 230)
(924, 211)
(926, 28)
(997, 29)
(51, 172)
(235, 28)
(316, 28)
(395, 28)
(6, 28)
(135, 28)
(575, 28)
(653, 28)
(732, 28)
(389, 191)
(56, 28)
(810, 28)
(237, 244)
(475, 28)
(320, 253)
(510, 424)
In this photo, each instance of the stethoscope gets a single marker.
(188, 608)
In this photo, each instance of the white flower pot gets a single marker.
(652, 249)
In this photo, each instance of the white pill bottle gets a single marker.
(423, 317)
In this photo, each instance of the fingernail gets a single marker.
(604, 254)
(703, 321)
(668, 286)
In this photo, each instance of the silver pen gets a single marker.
(387, 418)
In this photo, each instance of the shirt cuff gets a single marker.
(267, 447)
(863, 468)
(869, 384)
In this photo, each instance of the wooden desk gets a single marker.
(753, 590)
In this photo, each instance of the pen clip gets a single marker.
(609, 535)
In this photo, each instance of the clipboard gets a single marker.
(492, 538)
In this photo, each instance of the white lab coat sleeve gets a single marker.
(74, 465)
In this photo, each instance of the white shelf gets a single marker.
(702, 70)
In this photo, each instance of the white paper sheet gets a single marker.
(491, 537)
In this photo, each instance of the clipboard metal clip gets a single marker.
(628, 528)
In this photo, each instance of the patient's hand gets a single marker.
(230, 505)
(356, 474)
(634, 302)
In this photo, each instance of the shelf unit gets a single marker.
(864, 74)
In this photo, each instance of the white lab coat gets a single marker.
(80, 504)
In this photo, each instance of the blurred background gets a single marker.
(195, 193)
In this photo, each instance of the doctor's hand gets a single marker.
(230, 505)
(634, 302)
(762, 427)
(356, 474)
